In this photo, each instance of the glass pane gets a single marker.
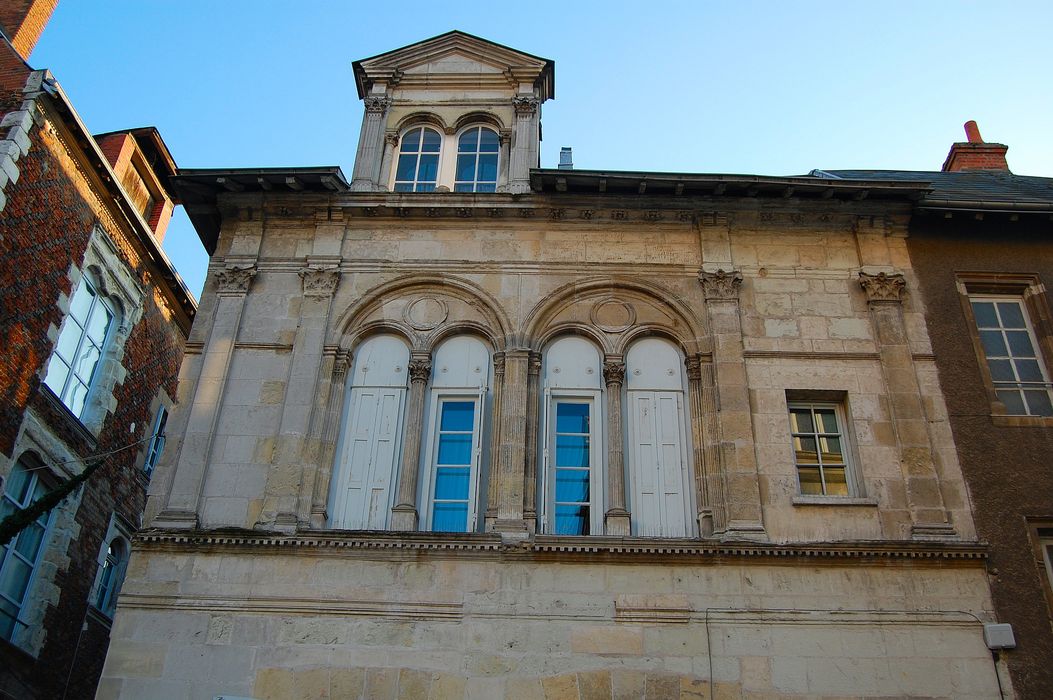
(449, 517)
(455, 448)
(985, 314)
(17, 486)
(1020, 344)
(425, 187)
(76, 395)
(80, 304)
(451, 484)
(801, 420)
(57, 373)
(572, 520)
(1011, 314)
(831, 448)
(488, 168)
(572, 418)
(407, 168)
(1038, 402)
(1001, 370)
(810, 482)
(431, 143)
(572, 451)
(410, 142)
(994, 345)
(827, 420)
(84, 363)
(28, 541)
(804, 450)
(486, 187)
(1028, 370)
(429, 169)
(1014, 403)
(836, 484)
(15, 579)
(403, 187)
(68, 340)
(99, 322)
(572, 486)
(464, 187)
(466, 168)
(488, 142)
(457, 415)
(469, 141)
(8, 612)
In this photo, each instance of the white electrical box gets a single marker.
(999, 636)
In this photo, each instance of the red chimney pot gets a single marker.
(972, 132)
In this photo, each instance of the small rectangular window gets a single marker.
(157, 441)
(819, 450)
(454, 465)
(1011, 351)
(572, 455)
(19, 557)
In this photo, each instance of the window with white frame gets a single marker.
(81, 346)
(418, 162)
(1021, 381)
(819, 449)
(21, 556)
(477, 155)
(572, 473)
(112, 566)
(157, 440)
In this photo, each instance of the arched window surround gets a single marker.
(447, 179)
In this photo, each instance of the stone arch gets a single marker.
(477, 118)
(419, 119)
(614, 309)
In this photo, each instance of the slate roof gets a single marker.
(976, 189)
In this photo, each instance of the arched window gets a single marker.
(367, 456)
(81, 346)
(573, 456)
(418, 166)
(453, 454)
(657, 445)
(111, 575)
(477, 151)
(22, 554)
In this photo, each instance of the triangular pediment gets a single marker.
(452, 55)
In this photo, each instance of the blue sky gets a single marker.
(771, 88)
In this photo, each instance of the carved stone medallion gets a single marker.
(613, 315)
(426, 313)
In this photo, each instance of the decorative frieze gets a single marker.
(882, 287)
(720, 285)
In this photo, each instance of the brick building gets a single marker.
(94, 320)
(466, 427)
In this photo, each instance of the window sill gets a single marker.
(1000, 419)
(99, 617)
(834, 501)
(75, 424)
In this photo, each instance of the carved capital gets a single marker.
(534, 369)
(694, 368)
(377, 105)
(320, 281)
(882, 288)
(614, 372)
(340, 365)
(525, 105)
(420, 370)
(499, 364)
(392, 138)
(720, 284)
(235, 279)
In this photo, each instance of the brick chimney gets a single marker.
(974, 154)
(23, 21)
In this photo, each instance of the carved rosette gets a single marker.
(614, 372)
(720, 285)
(320, 281)
(525, 105)
(694, 368)
(235, 279)
(377, 105)
(883, 288)
(420, 370)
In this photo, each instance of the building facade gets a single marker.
(465, 427)
(94, 320)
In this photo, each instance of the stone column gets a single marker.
(524, 143)
(496, 416)
(512, 455)
(181, 509)
(366, 175)
(616, 519)
(696, 412)
(504, 141)
(391, 144)
(530, 468)
(929, 518)
(736, 455)
(314, 494)
(404, 514)
(281, 493)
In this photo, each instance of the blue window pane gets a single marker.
(1012, 317)
(572, 451)
(1038, 403)
(985, 314)
(451, 483)
(80, 304)
(17, 486)
(1028, 370)
(466, 168)
(464, 187)
(572, 418)
(69, 339)
(411, 142)
(994, 344)
(488, 141)
(488, 168)
(429, 168)
(1014, 402)
(572, 485)
(407, 166)
(455, 448)
(457, 415)
(100, 321)
(469, 141)
(425, 187)
(431, 141)
(1001, 370)
(403, 187)
(486, 187)
(1020, 344)
(449, 517)
(572, 520)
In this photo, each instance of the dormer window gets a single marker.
(418, 167)
(477, 151)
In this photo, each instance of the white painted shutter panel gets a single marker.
(385, 452)
(370, 456)
(670, 451)
(646, 505)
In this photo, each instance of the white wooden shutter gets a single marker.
(670, 463)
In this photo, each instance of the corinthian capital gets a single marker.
(235, 279)
(320, 281)
(420, 370)
(882, 287)
(525, 104)
(720, 284)
(377, 105)
(614, 372)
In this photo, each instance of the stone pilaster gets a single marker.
(404, 514)
(512, 454)
(314, 490)
(391, 145)
(530, 468)
(183, 500)
(735, 436)
(366, 175)
(524, 151)
(929, 517)
(492, 493)
(696, 411)
(616, 518)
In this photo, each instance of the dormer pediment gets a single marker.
(455, 60)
